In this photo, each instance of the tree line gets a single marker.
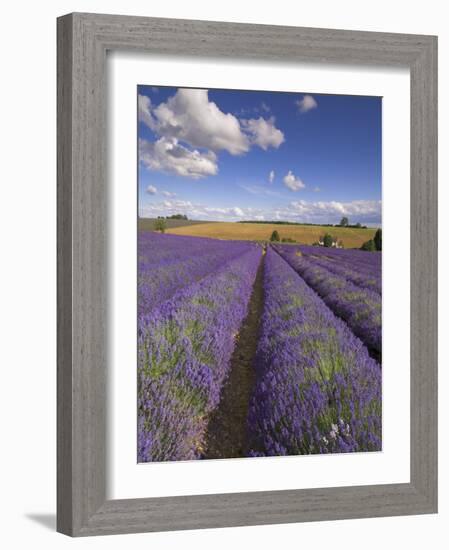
(344, 222)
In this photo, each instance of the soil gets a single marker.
(227, 430)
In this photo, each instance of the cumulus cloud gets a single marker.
(363, 211)
(263, 132)
(168, 194)
(366, 211)
(151, 190)
(190, 131)
(307, 103)
(199, 211)
(167, 155)
(144, 110)
(292, 182)
(271, 176)
(190, 117)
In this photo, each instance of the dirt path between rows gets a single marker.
(227, 431)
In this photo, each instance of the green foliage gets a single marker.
(327, 240)
(288, 240)
(369, 246)
(344, 221)
(177, 217)
(160, 225)
(281, 222)
(378, 239)
(275, 237)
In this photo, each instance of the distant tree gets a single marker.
(378, 239)
(344, 221)
(358, 224)
(316, 243)
(288, 240)
(160, 225)
(369, 246)
(275, 237)
(177, 217)
(327, 240)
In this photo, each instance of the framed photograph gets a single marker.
(247, 274)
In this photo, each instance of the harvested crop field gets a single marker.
(147, 224)
(352, 237)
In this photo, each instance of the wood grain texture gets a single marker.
(83, 40)
(64, 277)
(424, 263)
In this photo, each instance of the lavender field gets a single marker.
(250, 350)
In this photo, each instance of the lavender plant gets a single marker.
(359, 307)
(184, 350)
(317, 388)
(357, 259)
(170, 262)
(350, 266)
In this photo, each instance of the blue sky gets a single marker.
(231, 155)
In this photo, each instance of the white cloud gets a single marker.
(363, 211)
(331, 211)
(292, 182)
(200, 211)
(151, 190)
(263, 132)
(190, 117)
(167, 155)
(265, 107)
(192, 128)
(307, 103)
(168, 194)
(144, 109)
(271, 176)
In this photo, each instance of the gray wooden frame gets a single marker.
(83, 40)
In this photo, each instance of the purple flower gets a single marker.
(315, 379)
(361, 308)
(184, 348)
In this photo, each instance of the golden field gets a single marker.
(305, 234)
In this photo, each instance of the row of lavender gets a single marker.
(369, 265)
(360, 307)
(355, 266)
(167, 263)
(317, 389)
(352, 256)
(185, 344)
